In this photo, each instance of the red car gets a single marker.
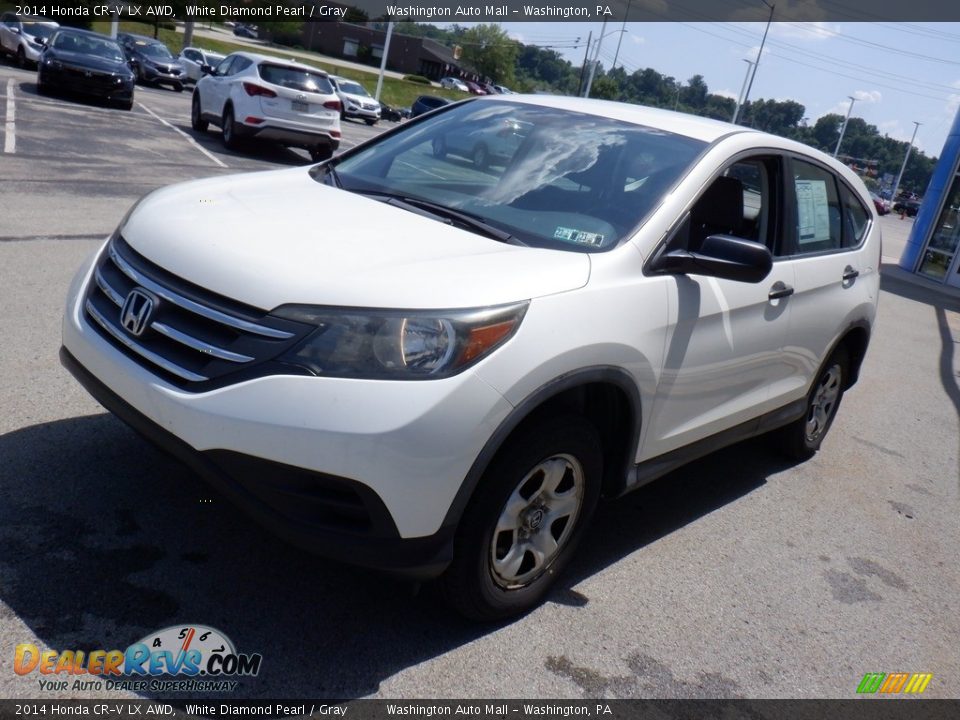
(474, 88)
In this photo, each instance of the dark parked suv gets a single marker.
(152, 62)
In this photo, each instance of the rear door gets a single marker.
(833, 264)
(8, 38)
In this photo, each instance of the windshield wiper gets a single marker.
(446, 214)
(327, 170)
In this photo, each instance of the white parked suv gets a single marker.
(412, 362)
(23, 37)
(355, 101)
(268, 98)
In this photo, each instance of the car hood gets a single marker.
(90, 62)
(278, 237)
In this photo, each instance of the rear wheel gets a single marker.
(21, 57)
(801, 439)
(229, 126)
(321, 153)
(524, 522)
(196, 118)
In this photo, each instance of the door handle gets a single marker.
(780, 290)
(850, 274)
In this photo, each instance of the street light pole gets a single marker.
(844, 128)
(746, 95)
(896, 185)
(736, 112)
(623, 31)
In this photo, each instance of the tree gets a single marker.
(490, 51)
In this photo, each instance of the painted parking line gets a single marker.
(189, 139)
(10, 127)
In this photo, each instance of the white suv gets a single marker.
(269, 98)
(445, 374)
(23, 37)
(355, 101)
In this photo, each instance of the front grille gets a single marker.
(192, 337)
(80, 78)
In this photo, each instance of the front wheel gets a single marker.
(525, 520)
(370, 121)
(21, 58)
(801, 439)
(178, 87)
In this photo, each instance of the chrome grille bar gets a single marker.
(199, 345)
(188, 304)
(122, 338)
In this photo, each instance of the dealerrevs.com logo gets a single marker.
(894, 683)
(183, 658)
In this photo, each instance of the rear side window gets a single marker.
(295, 78)
(819, 217)
(855, 218)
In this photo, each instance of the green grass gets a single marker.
(396, 92)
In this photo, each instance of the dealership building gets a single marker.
(933, 250)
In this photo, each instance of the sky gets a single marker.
(898, 72)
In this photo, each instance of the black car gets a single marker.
(152, 61)
(86, 62)
(426, 103)
(245, 31)
(910, 208)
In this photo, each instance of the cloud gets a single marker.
(812, 31)
(725, 93)
(637, 39)
(868, 96)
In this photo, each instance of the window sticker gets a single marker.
(813, 211)
(581, 237)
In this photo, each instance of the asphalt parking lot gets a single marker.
(741, 575)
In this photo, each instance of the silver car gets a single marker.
(194, 59)
(355, 100)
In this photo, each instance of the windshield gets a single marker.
(295, 78)
(154, 50)
(551, 178)
(89, 45)
(352, 88)
(39, 30)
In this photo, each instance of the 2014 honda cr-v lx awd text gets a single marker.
(415, 361)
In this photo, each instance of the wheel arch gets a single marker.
(605, 395)
(854, 340)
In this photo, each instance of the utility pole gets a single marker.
(896, 185)
(623, 31)
(844, 128)
(743, 88)
(746, 95)
(596, 60)
(586, 57)
(383, 60)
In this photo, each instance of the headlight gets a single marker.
(398, 345)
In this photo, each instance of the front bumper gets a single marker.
(359, 112)
(83, 82)
(364, 471)
(154, 75)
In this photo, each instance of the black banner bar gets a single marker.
(863, 708)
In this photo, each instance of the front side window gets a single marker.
(225, 66)
(548, 177)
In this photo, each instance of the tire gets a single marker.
(439, 148)
(229, 128)
(369, 121)
(321, 153)
(21, 57)
(128, 105)
(481, 157)
(802, 438)
(501, 573)
(178, 87)
(196, 119)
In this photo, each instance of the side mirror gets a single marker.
(15, 30)
(42, 41)
(722, 256)
(206, 69)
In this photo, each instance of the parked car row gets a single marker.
(474, 88)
